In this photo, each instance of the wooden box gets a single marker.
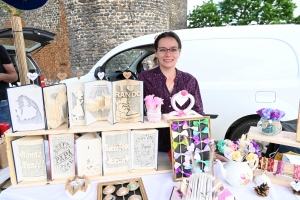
(122, 183)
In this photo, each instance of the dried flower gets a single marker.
(239, 150)
(269, 113)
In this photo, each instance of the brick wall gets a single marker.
(87, 29)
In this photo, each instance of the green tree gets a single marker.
(205, 15)
(243, 12)
(297, 20)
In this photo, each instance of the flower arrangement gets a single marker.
(240, 150)
(153, 105)
(270, 121)
(153, 102)
(270, 114)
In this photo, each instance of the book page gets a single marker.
(26, 108)
(55, 98)
(98, 101)
(61, 152)
(116, 151)
(88, 151)
(29, 158)
(75, 95)
(144, 148)
(128, 101)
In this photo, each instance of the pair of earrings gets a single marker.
(132, 186)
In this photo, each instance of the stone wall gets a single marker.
(87, 29)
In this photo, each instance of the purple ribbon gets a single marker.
(280, 167)
(187, 174)
(206, 148)
(175, 126)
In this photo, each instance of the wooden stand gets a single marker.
(164, 165)
(285, 138)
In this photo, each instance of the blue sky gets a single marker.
(192, 3)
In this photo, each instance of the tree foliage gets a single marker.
(205, 15)
(297, 20)
(243, 12)
(7, 8)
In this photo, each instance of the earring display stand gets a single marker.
(285, 138)
(120, 184)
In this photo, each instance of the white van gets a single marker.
(240, 69)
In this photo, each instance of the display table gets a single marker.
(158, 187)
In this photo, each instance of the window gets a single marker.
(123, 60)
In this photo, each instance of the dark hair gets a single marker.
(167, 34)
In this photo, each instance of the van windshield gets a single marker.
(123, 60)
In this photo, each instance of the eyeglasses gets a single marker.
(172, 50)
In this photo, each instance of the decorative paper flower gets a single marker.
(236, 156)
(239, 150)
(221, 144)
(251, 157)
(152, 102)
(269, 113)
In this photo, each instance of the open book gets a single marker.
(61, 153)
(26, 107)
(116, 151)
(88, 154)
(144, 148)
(29, 158)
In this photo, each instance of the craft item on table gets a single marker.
(116, 151)
(269, 124)
(241, 154)
(88, 155)
(127, 101)
(109, 197)
(296, 183)
(61, 76)
(132, 186)
(26, 107)
(109, 189)
(153, 106)
(190, 151)
(144, 148)
(32, 76)
(61, 153)
(280, 167)
(55, 98)
(98, 100)
(77, 187)
(75, 94)
(131, 189)
(262, 181)
(181, 98)
(29, 158)
(200, 187)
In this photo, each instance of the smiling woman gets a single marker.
(166, 80)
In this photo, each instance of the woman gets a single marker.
(165, 80)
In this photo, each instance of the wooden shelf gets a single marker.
(95, 127)
(284, 137)
(164, 165)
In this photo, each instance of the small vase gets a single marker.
(269, 127)
(153, 116)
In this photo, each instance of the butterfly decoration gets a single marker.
(176, 126)
(183, 133)
(187, 174)
(184, 142)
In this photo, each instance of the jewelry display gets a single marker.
(109, 189)
(129, 189)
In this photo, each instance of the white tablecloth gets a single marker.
(158, 187)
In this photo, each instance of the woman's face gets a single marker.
(167, 52)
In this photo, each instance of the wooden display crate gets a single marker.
(164, 165)
(285, 138)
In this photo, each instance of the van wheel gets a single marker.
(242, 128)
